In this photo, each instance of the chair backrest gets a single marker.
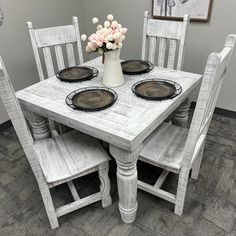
(15, 113)
(170, 36)
(56, 37)
(216, 68)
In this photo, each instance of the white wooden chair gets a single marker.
(170, 36)
(58, 160)
(59, 40)
(178, 149)
(54, 39)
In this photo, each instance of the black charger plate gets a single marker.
(91, 98)
(156, 89)
(77, 73)
(136, 67)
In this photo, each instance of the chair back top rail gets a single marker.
(171, 36)
(217, 65)
(52, 40)
(166, 29)
(55, 36)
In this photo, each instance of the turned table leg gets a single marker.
(126, 181)
(39, 125)
(181, 114)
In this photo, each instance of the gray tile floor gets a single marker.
(210, 207)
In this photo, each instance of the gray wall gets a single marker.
(15, 46)
(128, 13)
(203, 38)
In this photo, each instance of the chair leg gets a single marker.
(49, 206)
(197, 164)
(105, 185)
(181, 191)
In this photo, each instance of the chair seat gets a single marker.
(165, 147)
(67, 156)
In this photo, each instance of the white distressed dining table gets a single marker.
(125, 125)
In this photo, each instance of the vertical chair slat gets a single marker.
(59, 57)
(48, 61)
(78, 40)
(181, 55)
(70, 54)
(145, 37)
(172, 52)
(152, 49)
(162, 52)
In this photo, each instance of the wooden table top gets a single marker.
(127, 123)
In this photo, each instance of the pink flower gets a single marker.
(99, 44)
(95, 40)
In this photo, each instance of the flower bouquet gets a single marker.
(107, 40)
(107, 37)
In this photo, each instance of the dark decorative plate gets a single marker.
(77, 73)
(156, 89)
(136, 67)
(91, 98)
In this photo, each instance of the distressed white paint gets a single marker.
(68, 155)
(177, 149)
(54, 38)
(140, 116)
(170, 34)
(124, 126)
(59, 159)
